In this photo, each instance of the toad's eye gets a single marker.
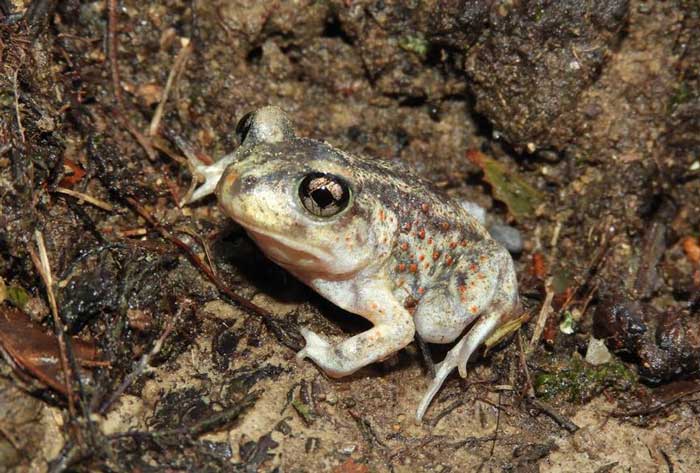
(243, 126)
(324, 195)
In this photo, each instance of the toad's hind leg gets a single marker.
(487, 287)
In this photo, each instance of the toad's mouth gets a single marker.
(285, 251)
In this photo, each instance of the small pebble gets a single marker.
(507, 236)
(597, 353)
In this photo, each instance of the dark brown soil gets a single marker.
(594, 104)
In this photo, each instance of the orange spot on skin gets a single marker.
(473, 309)
(373, 306)
(436, 255)
(413, 267)
(453, 245)
(401, 267)
(463, 242)
(480, 276)
(448, 260)
(404, 246)
(421, 257)
(425, 207)
(462, 289)
(430, 240)
(382, 216)
(473, 268)
(421, 290)
(421, 233)
(445, 226)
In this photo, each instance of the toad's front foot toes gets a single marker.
(316, 347)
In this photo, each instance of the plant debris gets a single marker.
(510, 188)
(37, 353)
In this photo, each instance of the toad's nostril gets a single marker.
(249, 181)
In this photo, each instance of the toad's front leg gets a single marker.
(393, 329)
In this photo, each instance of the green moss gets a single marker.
(304, 411)
(508, 185)
(579, 381)
(681, 95)
(415, 44)
(17, 296)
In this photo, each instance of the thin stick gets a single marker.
(199, 263)
(557, 417)
(529, 390)
(87, 198)
(19, 118)
(112, 44)
(42, 264)
(207, 251)
(175, 71)
(498, 425)
(545, 312)
(141, 367)
(425, 354)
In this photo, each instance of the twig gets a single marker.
(498, 425)
(425, 354)
(205, 246)
(434, 421)
(41, 262)
(590, 270)
(10, 438)
(141, 367)
(225, 417)
(112, 46)
(266, 316)
(87, 198)
(216, 421)
(545, 312)
(175, 71)
(560, 419)
(667, 459)
(366, 430)
(658, 406)
(654, 245)
(19, 118)
(529, 390)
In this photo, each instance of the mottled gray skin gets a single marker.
(401, 254)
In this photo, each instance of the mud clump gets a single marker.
(531, 65)
(666, 344)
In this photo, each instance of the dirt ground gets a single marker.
(576, 122)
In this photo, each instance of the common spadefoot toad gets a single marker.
(371, 237)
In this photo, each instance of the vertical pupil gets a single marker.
(323, 197)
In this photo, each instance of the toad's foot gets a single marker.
(393, 329)
(316, 347)
(458, 356)
(208, 176)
